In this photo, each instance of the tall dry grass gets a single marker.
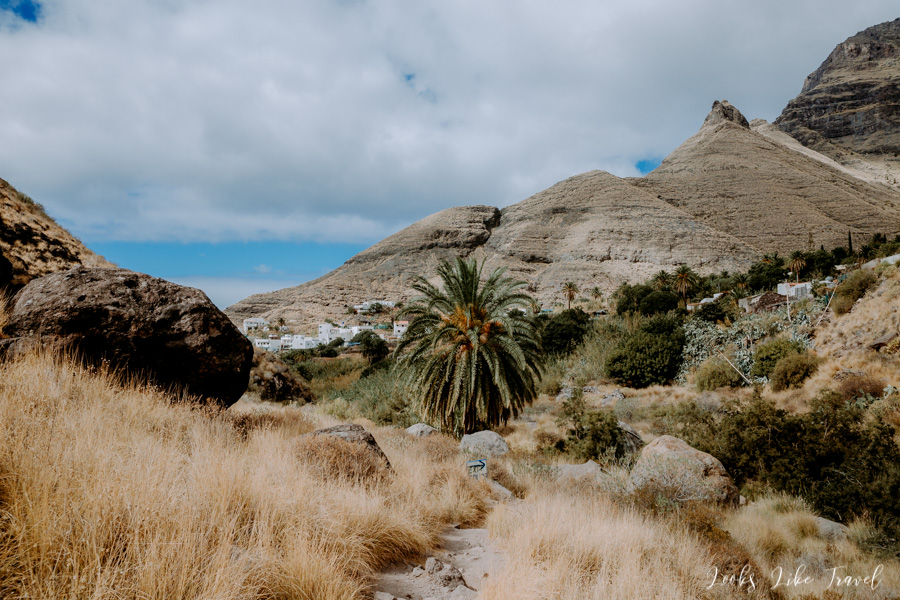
(111, 491)
(574, 545)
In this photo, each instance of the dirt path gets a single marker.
(458, 569)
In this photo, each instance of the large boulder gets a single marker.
(586, 472)
(484, 444)
(354, 434)
(632, 439)
(670, 466)
(421, 430)
(160, 332)
(274, 381)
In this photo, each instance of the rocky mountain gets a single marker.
(32, 244)
(849, 108)
(731, 192)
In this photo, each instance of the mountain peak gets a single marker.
(725, 111)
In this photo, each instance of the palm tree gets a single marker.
(685, 281)
(797, 262)
(741, 281)
(772, 258)
(570, 290)
(596, 293)
(470, 357)
(662, 280)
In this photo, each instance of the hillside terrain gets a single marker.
(32, 244)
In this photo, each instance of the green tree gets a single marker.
(472, 360)
(570, 290)
(374, 349)
(662, 280)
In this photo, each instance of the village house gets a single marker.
(795, 291)
(400, 328)
(253, 323)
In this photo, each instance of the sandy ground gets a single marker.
(468, 553)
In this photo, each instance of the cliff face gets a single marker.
(32, 244)
(852, 101)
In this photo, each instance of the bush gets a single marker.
(658, 302)
(592, 434)
(793, 370)
(629, 297)
(563, 332)
(651, 356)
(841, 305)
(856, 284)
(861, 388)
(716, 373)
(768, 354)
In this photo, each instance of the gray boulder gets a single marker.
(587, 472)
(830, 530)
(633, 441)
(611, 398)
(674, 468)
(484, 444)
(420, 430)
(159, 332)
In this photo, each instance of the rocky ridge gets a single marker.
(32, 244)
(849, 108)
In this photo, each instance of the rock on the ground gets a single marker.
(383, 596)
(831, 530)
(565, 393)
(420, 430)
(445, 574)
(589, 472)
(158, 331)
(670, 463)
(499, 490)
(633, 441)
(611, 398)
(355, 434)
(484, 444)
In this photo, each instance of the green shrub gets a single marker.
(563, 332)
(841, 305)
(629, 297)
(658, 302)
(856, 284)
(715, 373)
(793, 370)
(377, 397)
(592, 435)
(768, 354)
(650, 356)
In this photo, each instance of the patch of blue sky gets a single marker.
(26, 10)
(229, 272)
(301, 261)
(648, 164)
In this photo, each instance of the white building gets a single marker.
(400, 328)
(365, 306)
(254, 323)
(261, 343)
(795, 291)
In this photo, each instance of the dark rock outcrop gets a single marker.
(852, 101)
(274, 380)
(164, 333)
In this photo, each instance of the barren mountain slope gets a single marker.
(766, 194)
(594, 229)
(32, 244)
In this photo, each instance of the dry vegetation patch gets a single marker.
(115, 492)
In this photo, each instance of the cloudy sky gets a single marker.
(245, 146)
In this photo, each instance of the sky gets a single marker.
(248, 146)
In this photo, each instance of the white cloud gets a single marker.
(202, 120)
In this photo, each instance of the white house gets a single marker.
(261, 343)
(795, 291)
(254, 323)
(400, 328)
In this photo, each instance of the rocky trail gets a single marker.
(459, 569)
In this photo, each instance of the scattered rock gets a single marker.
(883, 341)
(633, 440)
(671, 464)
(418, 572)
(565, 393)
(355, 434)
(499, 490)
(420, 430)
(831, 530)
(161, 332)
(484, 444)
(590, 389)
(275, 381)
(383, 596)
(587, 472)
(848, 373)
(611, 398)
(445, 574)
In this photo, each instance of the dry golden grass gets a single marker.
(575, 545)
(113, 492)
(781, 531)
